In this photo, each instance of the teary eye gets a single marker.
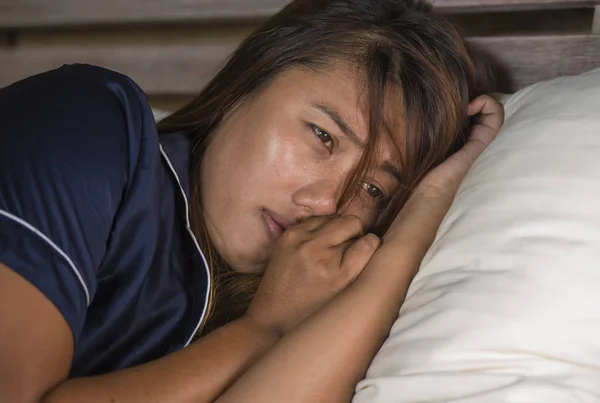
(324, 137)
(372, 190)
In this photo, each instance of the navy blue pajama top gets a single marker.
(94, 213)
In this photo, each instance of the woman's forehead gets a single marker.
(341, 89)
(335, 84)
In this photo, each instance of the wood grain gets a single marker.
(45, 13)
(596, 22)
(158, 69)
(527, 23)
(183, 70)
(468, 6)
(521, 61)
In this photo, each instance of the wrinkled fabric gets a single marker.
(92, 214)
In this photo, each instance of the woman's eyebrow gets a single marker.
(353, 137)
(341, 123)
(392, 170)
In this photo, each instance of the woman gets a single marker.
(305, 145)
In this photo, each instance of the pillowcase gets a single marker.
(506, 307)
(160, 114)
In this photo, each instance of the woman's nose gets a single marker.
(320, 198)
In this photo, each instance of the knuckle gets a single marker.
(324, 271)
(306, 251)
(367, 243)
(312, 244)
(326, 267)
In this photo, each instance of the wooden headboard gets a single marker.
(173, 47)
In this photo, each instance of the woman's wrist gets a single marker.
(391, 269)
(268, 332)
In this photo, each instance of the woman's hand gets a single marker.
(415, 227)
(320, 257)
(312, 262)
(325, 355)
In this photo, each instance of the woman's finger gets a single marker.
(447, 177)
(491, 119)
(314, 223)
(417, 224)
(357, 255)
(340, 230)
(488, 112)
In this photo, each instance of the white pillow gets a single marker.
(160, 114)
(506, 307)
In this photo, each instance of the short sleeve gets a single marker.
(69, 141)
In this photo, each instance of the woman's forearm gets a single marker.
(198, 373)
(324, 357)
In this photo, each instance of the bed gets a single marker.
(505, 306)
(173, 47)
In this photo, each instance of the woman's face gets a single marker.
(285, 155)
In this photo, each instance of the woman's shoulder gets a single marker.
(77, 113)
(71, 139)
(77, 78)
(84, 78)
(71, 146)
(72, 90)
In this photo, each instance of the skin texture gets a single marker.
(246, 360)
(268, 156)
(348, 330)
(312, 263)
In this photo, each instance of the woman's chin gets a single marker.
(243, 256)
(250, 263)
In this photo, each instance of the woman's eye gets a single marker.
(373, 190)
(324, 137)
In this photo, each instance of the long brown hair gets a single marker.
(393, 42)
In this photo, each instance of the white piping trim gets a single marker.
(187, 225)
(54, 246)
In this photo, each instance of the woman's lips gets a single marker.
(274, 230)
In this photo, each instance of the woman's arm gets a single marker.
(70, 144)
(305, 273)
(36, 348)
(325, 356)
(198, 373)
(35, 341)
